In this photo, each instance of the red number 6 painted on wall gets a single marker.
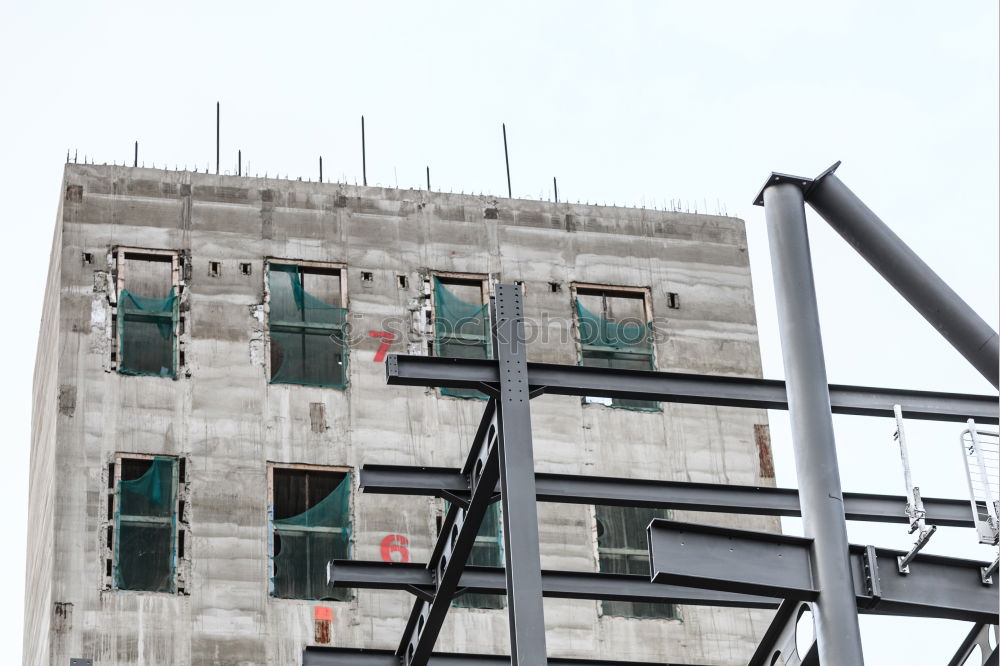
(394, 548)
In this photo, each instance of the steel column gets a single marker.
(977, 636)
(447, 482)
(908, 274)
(525, 613)
(402, 370)
(454, 543)
(838, 636)
(779, 639)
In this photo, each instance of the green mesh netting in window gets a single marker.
(461, 330)
(487, 552)
(622, 337)
(146, 334)
(609, 344)
(145, 524)
(622, 549)
(308, 342)
(305, 543)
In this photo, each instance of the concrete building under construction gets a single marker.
(210, 379)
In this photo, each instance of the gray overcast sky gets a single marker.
(632, 103)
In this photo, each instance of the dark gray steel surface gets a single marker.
(525, 613)
(780, 638)
(912, 278)
(555, 584)
(941, 587)
(454, 543)
(506, 159)
(321, 656)
(711, 497)
(751, 562)
(977, 636)
(838, 635)
(403, 370)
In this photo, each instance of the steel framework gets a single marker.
(696, 564)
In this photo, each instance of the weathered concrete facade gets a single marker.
(227, 421)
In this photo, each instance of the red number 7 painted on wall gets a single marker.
(387, 339)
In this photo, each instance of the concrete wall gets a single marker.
(46, 398)
(224, 417)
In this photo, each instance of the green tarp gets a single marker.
(145, 524)
(622, 548)
(461, 330)
(609, 344)
(610, 335)
(305, 543)
(146, 331)
(308, 344)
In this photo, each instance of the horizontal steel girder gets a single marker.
(750, 562)
(557, 584)
(402, 370)
(679, 495)
(322, 656)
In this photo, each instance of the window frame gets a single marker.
(346, 470)
(122, 254)
(616, 291)
(627, 552)
(485, 283)
(176, 520)
(590, 289)
(341, 270)
(446, 278)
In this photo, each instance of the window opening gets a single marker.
(214, 268)
(246, 269)
(306, 322)
(310, 524)
(145, 525)
(622, 549)
(148, 313)
(402, 282)
(614, 332)
(461, 324)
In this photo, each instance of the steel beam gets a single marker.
(417, 579)
(454, 543)
(838, 635)
(915, 281)
(780, 639)
(764, 563)
(977, 636)
(325, 656)
(679, 495)
(525, 613)
(556, 379)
